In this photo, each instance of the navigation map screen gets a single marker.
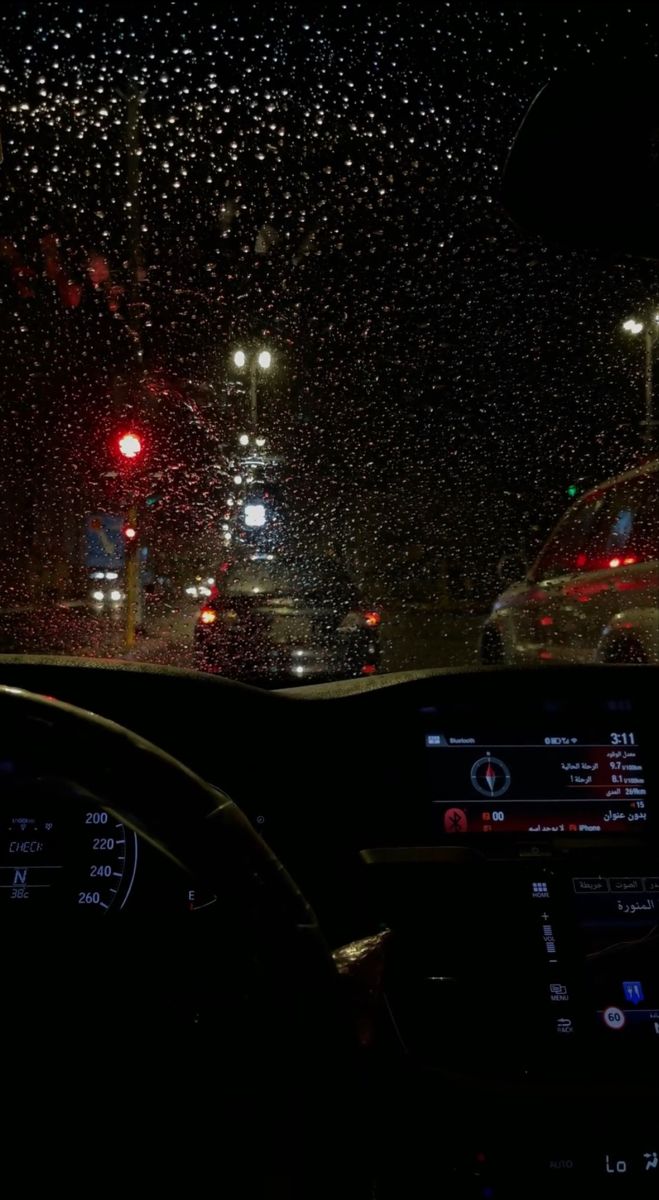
(543, 782)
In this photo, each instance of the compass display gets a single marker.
(490, 776)
(548, 780)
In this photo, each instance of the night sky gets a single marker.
(330, 183)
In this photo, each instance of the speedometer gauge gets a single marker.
(58, 854)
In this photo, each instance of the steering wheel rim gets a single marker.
(256, 955)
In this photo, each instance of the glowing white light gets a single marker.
(265, 358)
(254, 515)
(260, 441)
(244, 439)
(98, 596)
(115, 594)
(239, 358)
(237, 479)
(632, 326)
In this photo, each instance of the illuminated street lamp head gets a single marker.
(255, 516)
(265, 359)
(239, 358)
(244, 439)
(633, 326)
(130, 445)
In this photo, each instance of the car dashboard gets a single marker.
(503, 827)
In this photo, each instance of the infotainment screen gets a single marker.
(553, 777)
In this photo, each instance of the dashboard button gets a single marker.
(558, 993)
(627, 883)
(561, 1164)
(590, 884)
(564, 1026)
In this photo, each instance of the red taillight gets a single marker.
(627, 562)
(207, 616)
(581, 560)
(546, 621)
(372, 618)
(368, 669)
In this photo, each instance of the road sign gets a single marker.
(104, 541)
(633, 991)
(614, 1017)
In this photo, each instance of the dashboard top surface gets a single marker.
(352, 754)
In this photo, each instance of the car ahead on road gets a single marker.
(273, 620)
(593, 593)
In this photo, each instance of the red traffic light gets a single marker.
(129, 445)
(130, 533)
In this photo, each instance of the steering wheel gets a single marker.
(166, 1042)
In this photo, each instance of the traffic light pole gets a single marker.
(650, 423)
(132, 580)
(253, 404)
(129, 448)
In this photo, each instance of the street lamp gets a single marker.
(255, 516)
(651, 329)
(129, 445)
(263, 359)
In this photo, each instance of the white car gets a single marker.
(593, 593)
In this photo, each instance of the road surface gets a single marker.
(413, 636)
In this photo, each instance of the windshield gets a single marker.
(266, 325)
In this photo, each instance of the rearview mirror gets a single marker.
(583, 170)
